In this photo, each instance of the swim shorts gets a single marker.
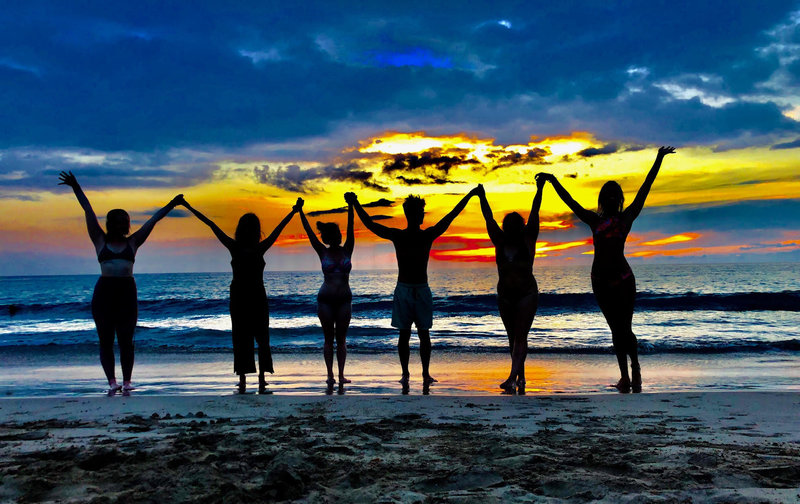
(413, 303)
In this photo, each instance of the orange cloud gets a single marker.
(544, 246)
(476, 250)
(678, 238)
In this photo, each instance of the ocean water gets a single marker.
(679, 308)
(699, 327)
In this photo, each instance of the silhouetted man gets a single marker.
(413, 302)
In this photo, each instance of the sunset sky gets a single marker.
(245, 108)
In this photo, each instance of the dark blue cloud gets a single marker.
(34, 169)
(153, 76)
(786, 145)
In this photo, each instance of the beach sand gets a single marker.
(665, 447)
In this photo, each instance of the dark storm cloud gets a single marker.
(38, 169)
(429, 167)
(383, 202)
(598, 151)
(532, 156)
(786, 145)
(295, 179)
(151, 76)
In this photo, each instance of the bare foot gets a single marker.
(330, 380)
(508, 386)
(636, 382)
(128, 386)
(404, 380)
(113, 388)
(342, 379)
(427, 380)
(623, 385)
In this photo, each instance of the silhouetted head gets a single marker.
(610, 200)
(414, 208)
(118, 224)
(513, 225)
(329, 233)
(248, 231)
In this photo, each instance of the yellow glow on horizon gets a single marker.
(32, 219)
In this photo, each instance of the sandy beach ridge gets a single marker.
(670, 447)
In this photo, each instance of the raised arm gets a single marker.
(380, 230)
(270, 240)
(440, 227)
(220, 234)
(350, 241)
(532, 227)
(635, 208)
(491, 225)
(95, 231)
(586, 216)
(319, 248)
(143, 232)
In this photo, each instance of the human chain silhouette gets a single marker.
(114, 302)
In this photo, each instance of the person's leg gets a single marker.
(425, 355)
(614, 312)
(128, 313)
(627, 298)
(261, 324)
(103, 321)
(423, 318)
(403, 352)
(525, 312)
(401, 319)
(507, 311)
(327, 320)
(105, 333)
(264, 357)
(343, 315)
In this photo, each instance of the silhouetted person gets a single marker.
(114, 302)
(517, 292)
(249, 306)
(413, 301)
(334, 300)
(613, 282)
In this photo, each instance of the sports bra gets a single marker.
(342, 265)
(106, 254)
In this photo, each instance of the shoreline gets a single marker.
(183, 373)
(707, 446)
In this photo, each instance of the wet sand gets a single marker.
(666, 447)
(79, 374)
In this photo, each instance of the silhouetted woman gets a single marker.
(114, 302)
(334, 301)
(613, 282)
(517, 292)
(248, 304)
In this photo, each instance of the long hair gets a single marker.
(513, 224)
(610, 199)
(248, 231)
(118, 224)
(329, 233)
